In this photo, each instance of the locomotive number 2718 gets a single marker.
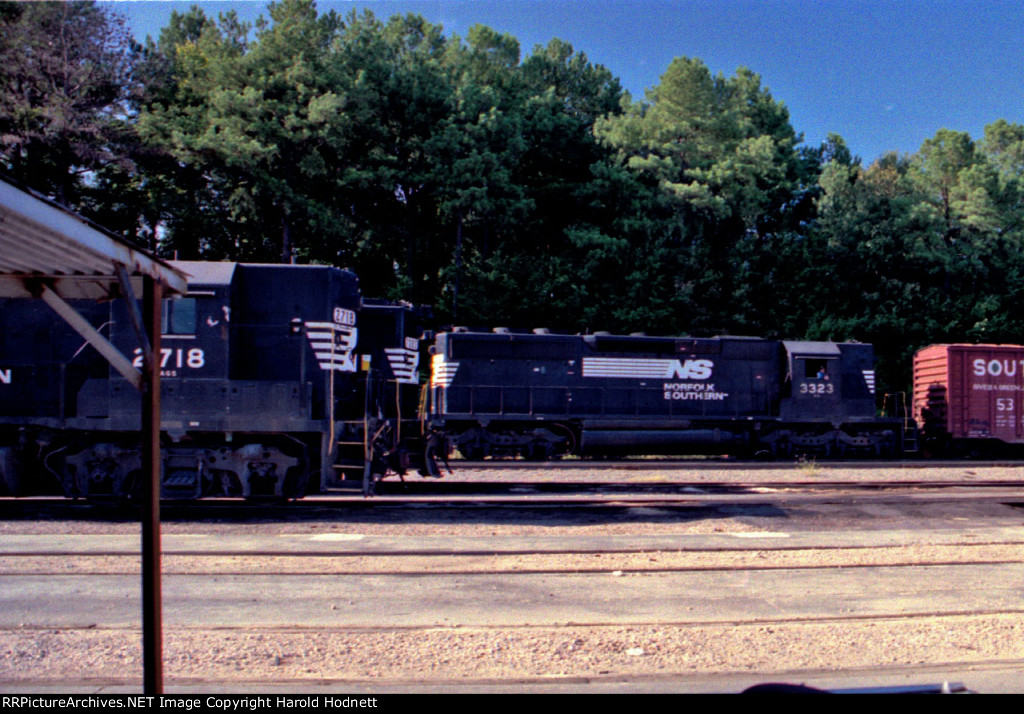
(174, 359)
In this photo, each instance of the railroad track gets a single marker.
(564, 561)
(727, 464)
(571, 497)
(552, 612)
(550, 580)
(681, 487)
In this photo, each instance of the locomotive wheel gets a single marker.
(10, 472)
(295, 482)
(473, 452)
(537, 452)
(226, 483)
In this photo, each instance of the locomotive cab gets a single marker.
(828, 402)
(814, 380)
(828, 381)
(194, 327)
(194, 356)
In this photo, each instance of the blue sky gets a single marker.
(883, 74)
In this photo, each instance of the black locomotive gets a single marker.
(280, 380)
(276, 380)
(543, 395)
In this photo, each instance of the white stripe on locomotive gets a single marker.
(632, 368)
(333, 345)
(404, 364)
(442, 373)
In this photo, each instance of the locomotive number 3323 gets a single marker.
(816, 388)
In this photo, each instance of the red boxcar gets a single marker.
(973, 392)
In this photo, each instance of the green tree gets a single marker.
(724, 157)
(914, 250)
(939, 164)
(259, 118)
(67, 75)
(398, 105)
(540, 231)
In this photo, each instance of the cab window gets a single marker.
(817, 368)
(179, 316)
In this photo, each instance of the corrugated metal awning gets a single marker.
(50, 253)
(44, 244)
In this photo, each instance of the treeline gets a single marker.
(509, 190)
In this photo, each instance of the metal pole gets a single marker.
(152, 615)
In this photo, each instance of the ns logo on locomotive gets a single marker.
(281, 380)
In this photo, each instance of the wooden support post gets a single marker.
(152, 608)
